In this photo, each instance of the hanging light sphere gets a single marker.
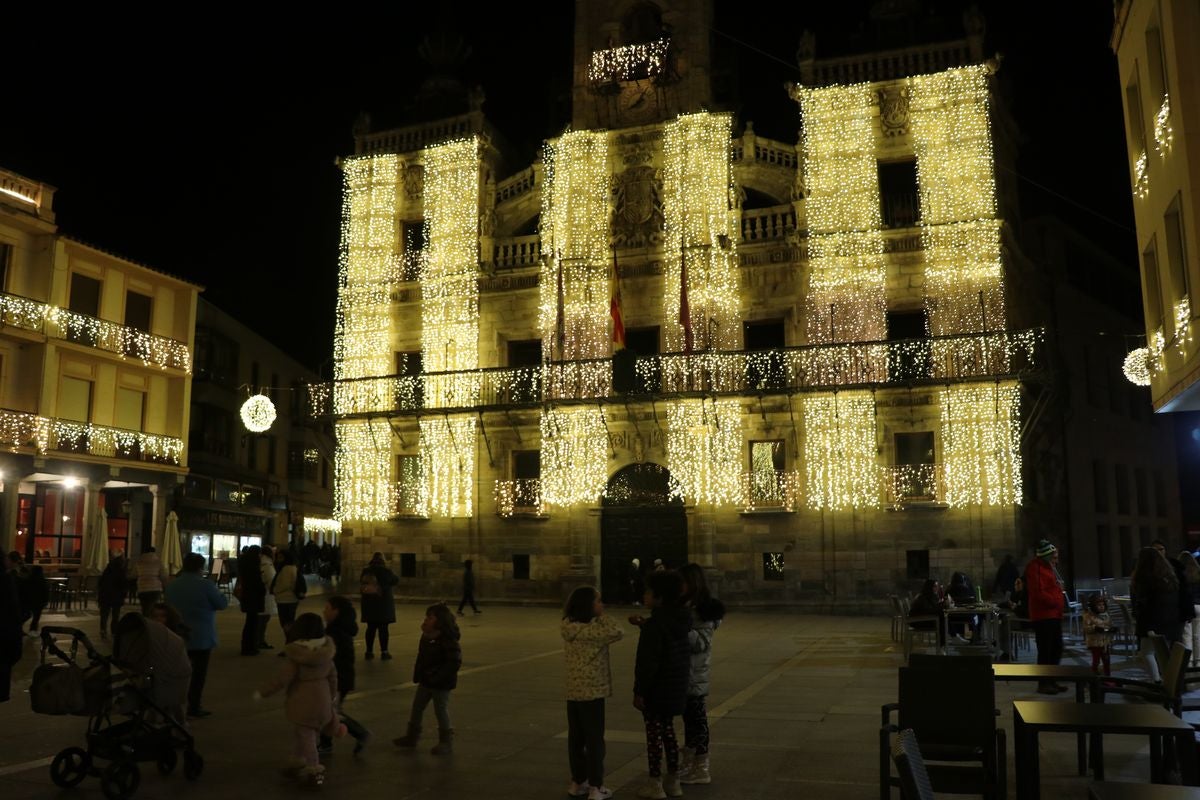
(1137, 366)
(258, 413)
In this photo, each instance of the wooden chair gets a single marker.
(950, 705)
(914, 778)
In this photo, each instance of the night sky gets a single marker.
(208, 152)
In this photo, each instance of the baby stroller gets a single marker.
(125, 726)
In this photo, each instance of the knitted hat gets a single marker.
(1045, 549)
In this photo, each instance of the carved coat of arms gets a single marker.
(414, 181)
(637, 208)
(893, 111)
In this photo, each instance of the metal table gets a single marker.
(1079, 675)
(1032, 717)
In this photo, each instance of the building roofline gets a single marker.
(110, 254)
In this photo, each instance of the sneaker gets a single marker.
(460, 613)
(599, 793)
(360, 743)
(312, 776)
(385, 656)
(652, 790)
(671, 785)
(578, 789)
(368, 655)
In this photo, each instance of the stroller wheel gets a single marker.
(120, 780)
(167, 760)
(70, 767)
(193, 764)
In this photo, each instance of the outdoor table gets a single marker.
(1141, 791)
(1079, 675)
(57, 586)
(987, 613)
(1032, 717)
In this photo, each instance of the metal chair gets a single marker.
(950, 705)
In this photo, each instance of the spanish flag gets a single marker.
(614, 309)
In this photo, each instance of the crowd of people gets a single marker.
(173, 633)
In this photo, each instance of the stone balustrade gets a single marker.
(886, 65)
(517, 185)
(768, 224)
(517, 252)
(14, 185)
(418, 137)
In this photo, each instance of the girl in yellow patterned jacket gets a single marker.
(587, 632)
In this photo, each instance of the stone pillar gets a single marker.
(158, 514)
(8, 513)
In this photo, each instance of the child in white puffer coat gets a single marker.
(707, 613)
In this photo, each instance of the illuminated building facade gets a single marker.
(820, 395)
(1155, 45)
(95, 386)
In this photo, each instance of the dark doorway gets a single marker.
(898, 194)
(525, 387)
(640, 519)
(137, 311)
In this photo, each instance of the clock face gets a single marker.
(638, 101)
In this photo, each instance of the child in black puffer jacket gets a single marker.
(661, 678)
(706, 615)
(439, 657)
(341, 625)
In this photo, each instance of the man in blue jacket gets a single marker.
(197, 600)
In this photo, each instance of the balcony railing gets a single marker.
(974, 356)
(776, 490)
(521, 496)
(768, 224)
(45, 434)
(914, 483)
(59, 323)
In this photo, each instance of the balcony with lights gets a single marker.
(53, 322)
(20, 431)
(929, 361)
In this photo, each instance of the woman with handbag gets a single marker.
(378, 605)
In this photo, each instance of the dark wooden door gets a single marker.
(641, 533)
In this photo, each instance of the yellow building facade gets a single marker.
(1155, 45)
(95, 385)
(820, 398)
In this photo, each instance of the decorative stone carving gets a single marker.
(638, 208)
(414, 181)
(893, 111)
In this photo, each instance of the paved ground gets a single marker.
(795, 710)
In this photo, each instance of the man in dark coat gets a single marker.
(378, 605)
(468, 589)
(251, 593)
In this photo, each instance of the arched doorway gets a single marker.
(641, 518)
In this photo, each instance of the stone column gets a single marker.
(8, 514)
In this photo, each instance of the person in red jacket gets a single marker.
(1044, 594)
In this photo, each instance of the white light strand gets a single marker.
(44, 434)
(450, 276)
(448, 461)
(846, 300)
(1164, 134)
(362, 471)
(574, 455)
(704, 443)
(701, 230)
(576, 241)
(980, 430)
(59, 323)
(523, 495)
(630, 62)
(1183, 324)
(840, 450)
(1141, 176)
(314, 525)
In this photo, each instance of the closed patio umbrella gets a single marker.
(96, 553)
(172, 552)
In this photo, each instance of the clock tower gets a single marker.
(639, 62)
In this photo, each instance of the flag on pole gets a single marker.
(614, 308)
(685, 312)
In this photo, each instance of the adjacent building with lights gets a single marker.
(245, 487)
(821, 391)
(1155, 45)
(95, 386)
